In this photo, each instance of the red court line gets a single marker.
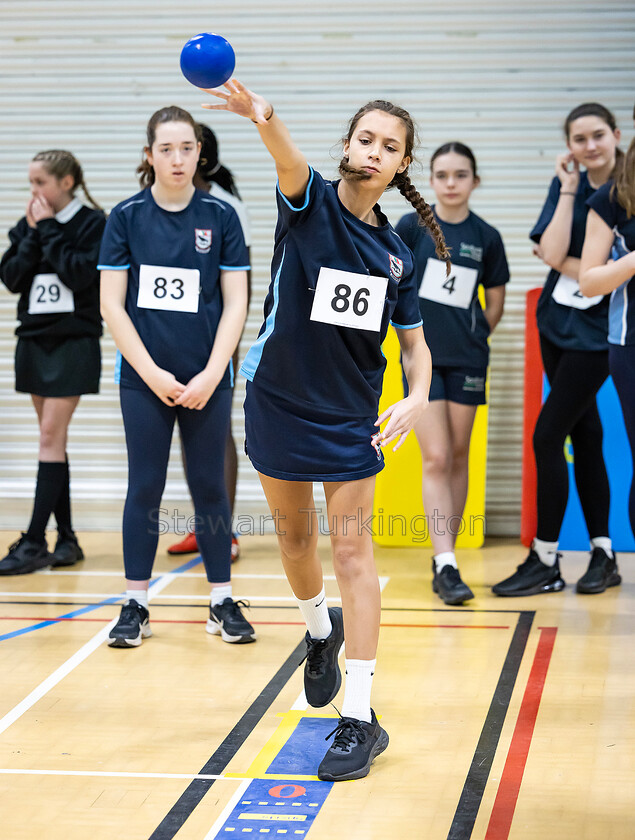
(505, 803)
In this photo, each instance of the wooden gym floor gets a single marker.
(510, 718)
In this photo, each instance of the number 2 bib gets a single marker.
(49, 295)
(172, 289)
(455, 290)
(349, 300)
(567, 293)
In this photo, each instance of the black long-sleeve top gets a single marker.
(71, 251)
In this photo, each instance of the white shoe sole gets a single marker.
(214, 629)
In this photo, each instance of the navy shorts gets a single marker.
(462, 385)
(306, 444)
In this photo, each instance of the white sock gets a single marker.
(605, 543)
(359, 681)
(219, 593)
(138, 595)
(315, 612)
(446, 558)
(545, 550)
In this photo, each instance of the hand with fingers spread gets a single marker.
(568, 172)
(401, 418)
(239, 100)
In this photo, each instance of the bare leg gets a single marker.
(54, 417)
(461, 419)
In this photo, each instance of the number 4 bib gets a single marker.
(455, 290)
(349, 300)
(173, 289)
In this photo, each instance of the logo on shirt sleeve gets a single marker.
(202, 240)
(396, 268)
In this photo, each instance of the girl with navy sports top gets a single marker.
(174, 263)
(456, 330)
(573, 343)
(340, 274)
(608, 266)
(51, 265)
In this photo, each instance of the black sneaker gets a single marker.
(133, 626)
(226, 618)
(322, 675)
(532, 577)
(67, 551)
(448, 585)
(602, 573)
(354, 748)
(25, 556)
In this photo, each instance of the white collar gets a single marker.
(66, 213)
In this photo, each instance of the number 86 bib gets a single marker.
(455, 290)
(172, 289)
(349, 300)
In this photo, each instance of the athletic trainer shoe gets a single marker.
(25, 556)
(227, 619)
(354, 748)
(532, 577)
(322, 675)
(186, 546)
(448, 585)
(133, 626)
(602, 573)
(67, 551)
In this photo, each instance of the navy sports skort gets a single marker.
(285, 441)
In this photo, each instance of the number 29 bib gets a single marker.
(49, 295)
(172, 289)
(349, 300)
(456, 290)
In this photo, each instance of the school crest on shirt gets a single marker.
(396, 268)
(202, 240)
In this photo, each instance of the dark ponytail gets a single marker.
(210, 169)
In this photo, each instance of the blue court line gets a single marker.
(179, 569)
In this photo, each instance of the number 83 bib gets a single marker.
(455, 290)
(349, 300)
(171, 289)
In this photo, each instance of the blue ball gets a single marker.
(207, 60)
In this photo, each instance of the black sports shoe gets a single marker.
(322, 675)
(602, 573)
(354, 748)
(448, 585)
(133, 626)
(25, 555)
(67, 551)
(532, 577)
(226, 618)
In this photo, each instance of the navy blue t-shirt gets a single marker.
(564, 315)
(455, 327)
(320, 344)
(622, 302)
(174, 260)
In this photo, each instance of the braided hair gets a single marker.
(60, 163)
(401, 180)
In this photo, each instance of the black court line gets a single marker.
(474, 787)
(196, 790)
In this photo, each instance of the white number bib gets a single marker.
(174, 289)
(455, 290)
(49, 295)
(567, 293)
(349, 300)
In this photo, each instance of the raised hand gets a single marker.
(568, 172)
(239, 100)
(40, 209)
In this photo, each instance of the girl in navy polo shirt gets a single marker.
(174, 263)
(340, 274)
(610, 233)
(573, 343)
(51, 265)
(456, 329)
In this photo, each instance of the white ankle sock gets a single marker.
(545, 550)
(446, 558)
(138, 595)
(315, 612)
(359, 681)
(219, 593)
(605, 543)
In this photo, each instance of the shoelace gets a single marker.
(129, 612)
(234, 608)
(453, 575)
(346, 732)
(315, 656)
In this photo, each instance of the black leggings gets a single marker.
(571, 409)
(622, 366)
(149, 424)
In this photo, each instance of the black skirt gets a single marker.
(67, 367)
